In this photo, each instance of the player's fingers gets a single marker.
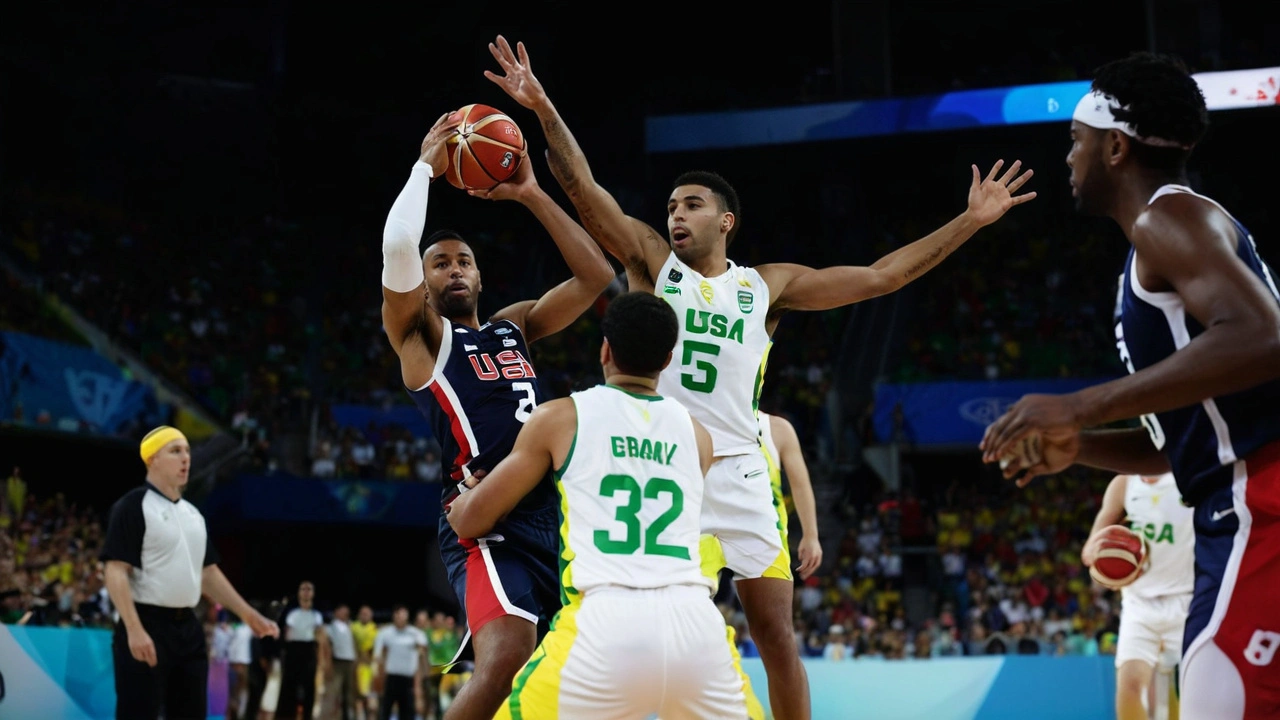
(989, 438)
(501, 57)
(1020, 181)
(1003, 439)
(995, 169)
(977, 176)
(524, 56)
(1033, 472)
(149, 652)
(1019, 199)
(506, 49)
(1008, 437)
(1011, 172)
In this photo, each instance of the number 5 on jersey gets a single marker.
(707, 382)
(628, 515)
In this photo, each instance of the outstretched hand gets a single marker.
(518, 81)
(990, 199)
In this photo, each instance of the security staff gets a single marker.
(158, 563)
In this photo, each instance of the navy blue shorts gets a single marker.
(514, 570)
(1230, 664)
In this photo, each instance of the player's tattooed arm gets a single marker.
(543, 444)
(640, 249)
(563, 304)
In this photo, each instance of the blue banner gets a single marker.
(70, 387)
(359, 417)
(949, 413)
(284, 498)
(1023, 104)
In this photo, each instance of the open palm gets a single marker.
(519, 81)
(991, 198)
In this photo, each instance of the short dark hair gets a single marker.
(724, 192)
(398, 607)
(439, 235)
(641, 329)
(1160, 99)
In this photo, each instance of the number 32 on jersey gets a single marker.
(628, 515)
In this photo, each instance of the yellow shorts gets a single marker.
(623, 664)
(364, 679)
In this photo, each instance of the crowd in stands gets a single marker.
(49, 570)
(50, 576)
(266, 349)
(1006, 578)
(1037, 306)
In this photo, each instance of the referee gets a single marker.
(158, 562)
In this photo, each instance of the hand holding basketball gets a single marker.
(1116, 556)
(518, 80)
(990, 199)
(433, 150)
(486, 148)
(514, 188)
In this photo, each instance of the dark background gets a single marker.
(194, 119)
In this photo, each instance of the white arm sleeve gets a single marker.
(401, 264)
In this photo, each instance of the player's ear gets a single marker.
(1116, 147)
(666, 362)
(606, 353)
(727, 221)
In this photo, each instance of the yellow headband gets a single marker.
(157, 439)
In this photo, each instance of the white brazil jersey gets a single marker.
(631, 493)
(718, 364)
(1155, 511)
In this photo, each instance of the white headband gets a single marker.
(1095, 110)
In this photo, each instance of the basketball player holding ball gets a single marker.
(1199, 330)
(727, 316)
(476, 386)
(1153, 607)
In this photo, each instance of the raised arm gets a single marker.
(1186, 245)
(404, 299)
(791, 458)
(543, 443)
(796, 287)
(639, 247)
(592, 273)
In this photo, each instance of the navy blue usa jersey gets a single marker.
(1202, 441)
(482, 391)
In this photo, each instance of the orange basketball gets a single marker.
(1120, 557)
(486, 149)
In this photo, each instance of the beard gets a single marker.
(1091, 196)
(452, 306)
